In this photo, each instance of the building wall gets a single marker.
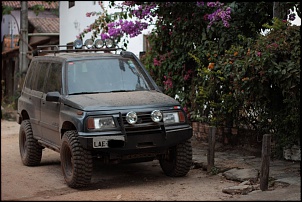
(73, 21)
(7, 20)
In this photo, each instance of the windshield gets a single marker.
(104, 75)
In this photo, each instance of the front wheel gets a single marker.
(76, 162)
(178, 160)
(30, 150)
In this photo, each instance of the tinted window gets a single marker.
(43, 66)
(29, 76)
(54, 80)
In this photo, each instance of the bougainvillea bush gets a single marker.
(256, 85)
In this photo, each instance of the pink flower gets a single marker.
(186, 77)
(185, 109)
(156, 62)
(168, 83)
(259, 53)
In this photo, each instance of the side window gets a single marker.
(38, 85)
(54, 80)
(29, 76)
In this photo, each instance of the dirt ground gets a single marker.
(122, 182)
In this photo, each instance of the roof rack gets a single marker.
(70, 48)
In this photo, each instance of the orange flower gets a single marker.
(236, 53)
(248, 52)
(211, 65)
(245, 79)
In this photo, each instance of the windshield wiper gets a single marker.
(83, 93)
(116, 91)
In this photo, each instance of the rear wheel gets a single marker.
(76, 162)
(30, 150)
(178, 160)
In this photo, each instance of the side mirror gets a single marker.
(53, 96)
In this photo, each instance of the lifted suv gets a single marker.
(89, 104)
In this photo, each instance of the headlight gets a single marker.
(174, 117)
(100, 123)
(156, 116)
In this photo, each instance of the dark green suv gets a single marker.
(99, 104)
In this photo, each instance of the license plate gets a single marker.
(102, 142)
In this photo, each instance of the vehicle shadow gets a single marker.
(110, 176)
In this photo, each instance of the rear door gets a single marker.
(37, 82)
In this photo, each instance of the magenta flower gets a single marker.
(104, 36)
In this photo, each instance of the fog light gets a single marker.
(109, 43)
(89, 43)
(156, 116)
(99, 43)
(78, 44)
(131, 117)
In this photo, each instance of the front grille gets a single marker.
(144, 124)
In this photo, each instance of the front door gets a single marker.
(50, 111)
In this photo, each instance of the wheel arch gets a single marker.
(66, 126)
(24, 116)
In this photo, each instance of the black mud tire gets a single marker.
(30, 150)
(76, 162)
(178, 160)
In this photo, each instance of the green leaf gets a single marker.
(6, 10)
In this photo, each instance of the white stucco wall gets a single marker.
(73, 21)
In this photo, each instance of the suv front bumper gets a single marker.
(136, 143)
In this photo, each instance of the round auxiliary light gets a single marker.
(156, 116)
(77, 44)
(99, 43)
(89, 43)
(109, 43)
(131, 117)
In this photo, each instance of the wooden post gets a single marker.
(23, 49)
(211, 148)
(265, 161)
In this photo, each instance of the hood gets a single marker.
(119, 100)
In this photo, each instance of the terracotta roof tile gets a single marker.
(45, 25)
(17, 5)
